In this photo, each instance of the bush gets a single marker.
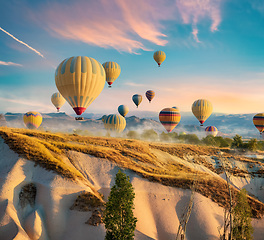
(242, 228)
(149, 134)
(164, 137)
(237, 142)
(251, 145)
(210, 141)
(133, 135)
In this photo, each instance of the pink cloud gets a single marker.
(123, 24)
(192, 11)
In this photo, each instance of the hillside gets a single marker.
(228, 124)
(90, 162)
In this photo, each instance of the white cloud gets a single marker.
(10, 64)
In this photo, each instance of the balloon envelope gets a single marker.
(58, 100)
(137, 99)
(150, 95)
(258, 121)
(159, 57)
(112, 71)
(80, 80)
(202, 109)
(32, 119)
(103, 118)
(115, 122)
(123, 110)
(211, 130)
(169, 118)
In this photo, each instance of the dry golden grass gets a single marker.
(47, 149)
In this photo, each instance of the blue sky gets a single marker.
(214, 50)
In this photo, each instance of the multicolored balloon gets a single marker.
(202, 109)
(159, 57)
(169, 118)
(258, 121)
(150, 95)
(112, 71)
(137, 99)
(115, 122)
(32, 119)
(211, 130)
(80, 80)
(58, 100)
(123, 110)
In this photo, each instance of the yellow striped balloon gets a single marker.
(169, 118)
(58, 100)
(115, 122)
(112, 71)
(159, 57)
(103, 118)
(150, 95)
(32, 120)
(80, 80)
(202, 109)
(258, 121)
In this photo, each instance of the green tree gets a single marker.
(237, 142)
(210, 141)
(242, 228)
(149, 134)
(118, 218)
(164, 137)
(133, 134)
(191, 138)
(252, 144)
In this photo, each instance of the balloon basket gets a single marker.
(79, 118)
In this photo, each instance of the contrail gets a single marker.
(37, 52)
(10, 64)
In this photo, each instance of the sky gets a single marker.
(214, 48)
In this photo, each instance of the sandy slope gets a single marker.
(157, 207)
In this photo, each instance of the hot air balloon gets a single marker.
(80, 80)
(159, 57)
(123, 110)
(202, 109)
(211, 130)
(169, 118)
(258, 121)
(58, 100)
(150, 95)
(32, 120)
(115, 122)
(103, 118)
(112, 71)
(137, 99)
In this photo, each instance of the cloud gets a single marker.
(258, 5)
(123, 24)
(10, 64)
(192, 11)
(31, 48)
(26, 102)
(195, 34)
(132, 84)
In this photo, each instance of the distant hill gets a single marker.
(227, 124)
